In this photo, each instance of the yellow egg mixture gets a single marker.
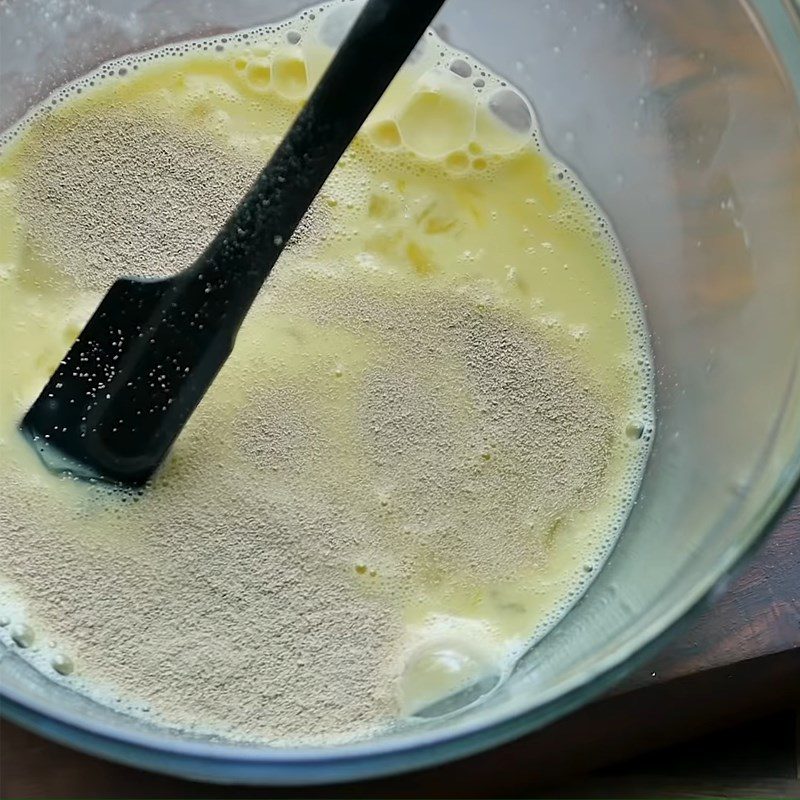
(426, 440)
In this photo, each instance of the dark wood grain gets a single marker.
(758, 758)
(740, 659)
(758, 616)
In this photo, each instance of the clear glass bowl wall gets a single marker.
(682, 118)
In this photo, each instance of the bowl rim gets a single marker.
(779, 26)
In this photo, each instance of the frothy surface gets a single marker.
(425, 442)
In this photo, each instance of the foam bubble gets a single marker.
(513, 110)
(460, 68)
(22, 634)
(434, 122)
(62, 664)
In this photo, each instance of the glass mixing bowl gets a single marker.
(682, 118)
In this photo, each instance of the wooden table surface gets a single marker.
(739, 660)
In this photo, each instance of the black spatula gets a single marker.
(145, 359)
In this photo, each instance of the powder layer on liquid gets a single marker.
(425, 443)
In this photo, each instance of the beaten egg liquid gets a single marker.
(365, 402)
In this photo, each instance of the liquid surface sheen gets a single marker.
(425, 443)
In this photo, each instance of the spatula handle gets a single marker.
(238, 261)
